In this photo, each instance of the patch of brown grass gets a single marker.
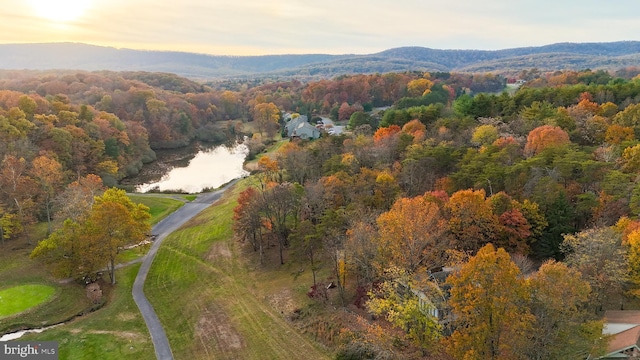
(215, 327)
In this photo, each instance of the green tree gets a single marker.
(560, 218)
(359, 118)
(27, 105)
(406, 307)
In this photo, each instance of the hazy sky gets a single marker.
(256, 27)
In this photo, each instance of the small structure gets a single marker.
(94, 293)
(624, 328)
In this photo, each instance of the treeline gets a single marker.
(489, 186)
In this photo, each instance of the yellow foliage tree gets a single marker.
(487, 300)
(83, 248)
(267, 116)
(562, 327)
(484, 135)
(633, 241)
(397, 301)
(419, 87)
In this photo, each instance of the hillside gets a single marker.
(559, 56)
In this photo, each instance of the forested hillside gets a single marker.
(561, 56)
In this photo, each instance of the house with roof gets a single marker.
(432, 294)
(623, 326)
(299, 127)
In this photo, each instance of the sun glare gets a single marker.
(60, 10)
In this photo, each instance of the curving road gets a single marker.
(161, 230)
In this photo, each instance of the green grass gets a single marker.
(189, 197)
(160, 206)
(16, 269)
(22, 297)
(126, 256)
(211, 304)
(117, 331)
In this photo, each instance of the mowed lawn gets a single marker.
(21, 278)
(115, 332)
(210, 303)
(160, 205)
(19, 298)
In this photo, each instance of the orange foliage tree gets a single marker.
(471, 222)
(410, 234)
(544, 137)
(416, 129)
(616, 134)
(385, 133)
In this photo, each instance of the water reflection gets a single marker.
(208, 169)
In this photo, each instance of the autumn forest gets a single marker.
(459, 216)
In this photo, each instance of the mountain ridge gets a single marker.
(80, 56)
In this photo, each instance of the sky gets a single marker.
(259, 27)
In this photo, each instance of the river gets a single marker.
(182, 171)
(18, 334)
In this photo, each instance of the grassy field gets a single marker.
(17, 269)
(189, 197)
(211, 301)
(19, 298)
(160, 205)
(117, 331)
(214, 306)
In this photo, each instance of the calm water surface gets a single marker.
(209, 168)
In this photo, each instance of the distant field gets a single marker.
(19, 298)
(211, 304)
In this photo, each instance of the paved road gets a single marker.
(161, 230)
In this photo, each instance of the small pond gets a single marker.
(210, 168)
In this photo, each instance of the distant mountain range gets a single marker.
(561, 56)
